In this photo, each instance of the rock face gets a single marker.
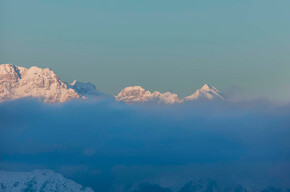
(38, 181)
(138, 94)
(19, 82)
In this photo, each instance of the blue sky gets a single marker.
(240, 47)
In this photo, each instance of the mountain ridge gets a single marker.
(139, 94)
(19, 82)
(44, 180)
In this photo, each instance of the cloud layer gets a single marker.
(107, 144)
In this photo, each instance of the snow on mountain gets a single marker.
(86, 89)
(18, 82)
(139, 94)
(167, 97)
(38, 181)
(134, 94)
(206, 92)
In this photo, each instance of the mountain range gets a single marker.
(47, 181)
(20, 82)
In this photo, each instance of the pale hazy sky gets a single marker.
(240, 47)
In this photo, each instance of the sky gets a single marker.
(240, 47)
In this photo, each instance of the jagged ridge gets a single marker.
(18, 82)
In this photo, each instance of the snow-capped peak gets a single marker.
(18, 82)
(134, 94)
(86, 89)
(207, 87)
(139, 94)
(206, 92)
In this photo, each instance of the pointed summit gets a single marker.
(206, 92)
(206, 87)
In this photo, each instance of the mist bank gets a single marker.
(105, 144)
